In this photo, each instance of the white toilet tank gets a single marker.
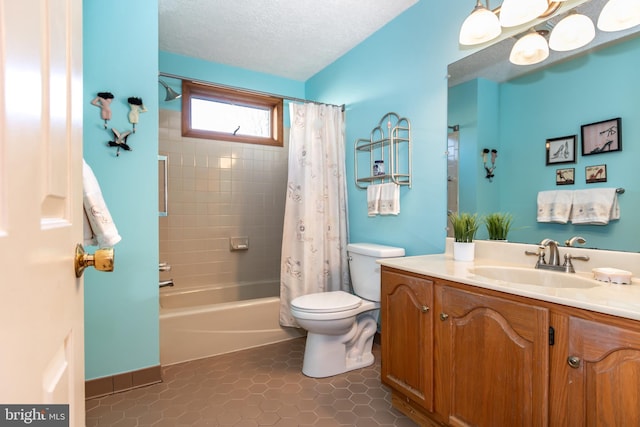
(365, 271)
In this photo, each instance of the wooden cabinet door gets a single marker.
(491, 361)
(407, 336)
(604, 383)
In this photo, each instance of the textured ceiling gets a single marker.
(288, 38)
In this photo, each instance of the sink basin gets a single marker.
(532, 276)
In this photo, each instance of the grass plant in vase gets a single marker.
(498, 225)
(465, 227)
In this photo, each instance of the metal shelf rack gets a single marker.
(392, 147)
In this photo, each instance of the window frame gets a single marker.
(191, 89)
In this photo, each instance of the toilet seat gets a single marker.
(326, 302)
(330, 306)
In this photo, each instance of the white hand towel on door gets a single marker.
(595, 206)
(373, 199)
(101, 229)
(555, 206)
(389, 199)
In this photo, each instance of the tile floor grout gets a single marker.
(263, 386)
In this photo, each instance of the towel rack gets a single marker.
(389, 153)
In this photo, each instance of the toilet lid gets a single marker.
(325, 302)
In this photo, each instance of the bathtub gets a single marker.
(207, 321)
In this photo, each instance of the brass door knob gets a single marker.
(102, 260)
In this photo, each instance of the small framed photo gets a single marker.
(561, 150)
(565, 176)
(602, 137)
(597, 173)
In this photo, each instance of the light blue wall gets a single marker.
(401, 68)
(120, 39)
(550, 104)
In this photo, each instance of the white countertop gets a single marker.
(614, 299)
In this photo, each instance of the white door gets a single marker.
(41, 301)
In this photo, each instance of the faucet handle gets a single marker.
(540, 254)
(568, 265)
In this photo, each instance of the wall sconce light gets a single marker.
(485, 158)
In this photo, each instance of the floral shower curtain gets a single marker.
(314, 241)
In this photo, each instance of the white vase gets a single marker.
(464, 251)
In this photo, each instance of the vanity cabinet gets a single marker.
(406, 320)
(603, 375)
(491, 360)
(460, 355)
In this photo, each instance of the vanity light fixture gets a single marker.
(518, 12)
(479, 27)
(572, 32)
(618, 15)
(530, 49)
(485, 24)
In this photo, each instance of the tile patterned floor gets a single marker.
(257, 387)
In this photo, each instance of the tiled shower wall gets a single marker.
(218, 190)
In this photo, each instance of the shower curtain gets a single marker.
(314, 240)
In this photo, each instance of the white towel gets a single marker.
(373, 199)
(389, 199)
(595, 206)
(555, 206)
(99, 228)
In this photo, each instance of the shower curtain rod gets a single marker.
(254, 92)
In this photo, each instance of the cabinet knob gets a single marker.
(424, 309)
(573, 361)
(444, 316)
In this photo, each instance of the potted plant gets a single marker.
(498, 225)
(465, 227)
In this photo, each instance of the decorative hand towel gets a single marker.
(554, 206)
(373, 199)
(595, 206)
(389, 199)
(103, 230)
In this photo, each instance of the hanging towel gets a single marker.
(373, 199)
(595, 206)
(389, 199)
(99, 228)
(555, 206)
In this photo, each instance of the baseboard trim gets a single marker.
(122, 382)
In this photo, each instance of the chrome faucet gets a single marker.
(554, 255)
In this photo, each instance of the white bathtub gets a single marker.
(206, 321)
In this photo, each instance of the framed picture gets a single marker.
(597, 173)
(561, 150)
(602, 137)
(565, 176)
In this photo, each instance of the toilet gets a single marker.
(340, 326)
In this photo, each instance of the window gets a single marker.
(231, 115)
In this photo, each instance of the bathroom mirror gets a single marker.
(493, 102)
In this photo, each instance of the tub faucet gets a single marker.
(165, 283)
